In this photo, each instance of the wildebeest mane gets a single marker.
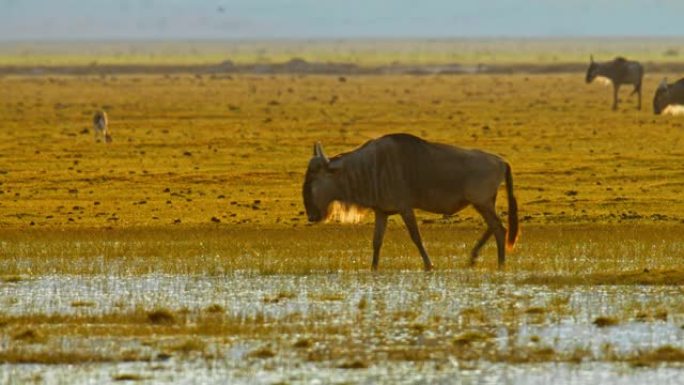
(369, 175)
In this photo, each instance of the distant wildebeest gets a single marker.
(398, 173)
(668, 95)
(101, 126)
(619, 71)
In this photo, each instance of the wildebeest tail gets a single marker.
(513, 230)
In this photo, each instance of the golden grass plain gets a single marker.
(231, 150)
(203, 179)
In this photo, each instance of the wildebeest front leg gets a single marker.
(495, 226)
(616, 88)
(380, 225)
(410, 221)
(476, 250)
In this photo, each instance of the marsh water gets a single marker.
(369, 312)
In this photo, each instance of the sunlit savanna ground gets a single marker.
(181, 249)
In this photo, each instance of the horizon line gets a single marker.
(338, 39)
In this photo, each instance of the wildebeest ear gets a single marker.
(591, 58)
(318, 152)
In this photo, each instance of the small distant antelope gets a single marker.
(100, 126)
(620, 71)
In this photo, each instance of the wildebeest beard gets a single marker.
(345, 212)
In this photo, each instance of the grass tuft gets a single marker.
(471, 336)
(303, 343)
(215, 308)
(263, 352)
(128, 377)
(30, 336)
(11, 278)
(190, 345)
(353, 364)
(603, 321)
(665, 353)
(161, 317)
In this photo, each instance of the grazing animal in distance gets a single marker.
(398, 173)
(101, 126)
(619, 71)
(668, 95)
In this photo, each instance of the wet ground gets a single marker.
(400, 327)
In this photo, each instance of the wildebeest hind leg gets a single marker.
(410, 221)
(476, 250)
(494, 225)
(380, 225)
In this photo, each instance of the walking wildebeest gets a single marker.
(619, 71)
(100, 126)
(398, 173)
(667, 95)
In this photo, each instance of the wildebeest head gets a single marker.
(661, 98)
(319, 189)
(591, 71)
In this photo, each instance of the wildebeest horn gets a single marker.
(318, 151)
(663, 84)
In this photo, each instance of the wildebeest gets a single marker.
(667, 95)
(101, 126)
(619, 71)
(398, 173)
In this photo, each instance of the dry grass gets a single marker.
(189, 151)
(204, 177)
(549, 254)
(64, 357)
(190, 146)
(643, 277)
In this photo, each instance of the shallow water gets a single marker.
(335, 298)
(217, 373)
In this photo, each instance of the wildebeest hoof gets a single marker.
(429, 268)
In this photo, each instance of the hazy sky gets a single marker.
(189, 19)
